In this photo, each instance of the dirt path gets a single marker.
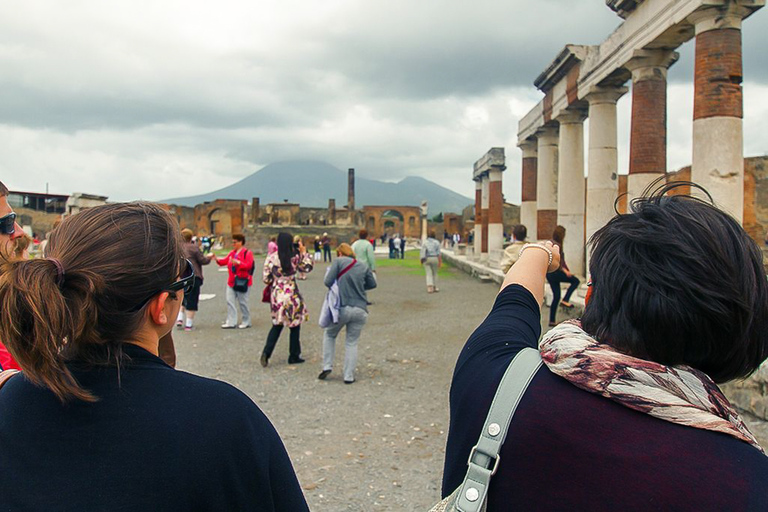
(374, 445)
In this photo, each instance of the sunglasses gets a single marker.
(8, 224)
(185, 282)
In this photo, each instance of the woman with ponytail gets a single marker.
(96, 420)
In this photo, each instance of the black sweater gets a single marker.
(568, 449)
(157, 439)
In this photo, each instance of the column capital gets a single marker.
(529, 147)
(720, 14)
(651, 64)
(601, 95)
(572, 117)
(547, 135)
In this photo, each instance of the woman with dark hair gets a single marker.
(561, 275)
(286, 303)
(624, 414)
(96, 420)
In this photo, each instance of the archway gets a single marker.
(220, 222)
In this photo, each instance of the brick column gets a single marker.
(478, 242)
(546, 183)
(485, 204)
(528, 203)
(495, 211)
(718, 151)
(570, 187)
(603, 165)
(648, 132)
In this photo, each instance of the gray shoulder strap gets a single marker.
(484, 457)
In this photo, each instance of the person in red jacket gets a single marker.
(9, 232)
(239, 262)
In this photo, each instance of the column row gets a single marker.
(553, 188)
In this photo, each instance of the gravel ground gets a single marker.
(377, 444)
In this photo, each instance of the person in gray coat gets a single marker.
(355, 279)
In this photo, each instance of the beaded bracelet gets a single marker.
(538, 246)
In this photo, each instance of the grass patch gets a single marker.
(411, 265)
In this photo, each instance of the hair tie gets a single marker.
(59, 271)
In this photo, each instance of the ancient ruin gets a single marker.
(587, 81)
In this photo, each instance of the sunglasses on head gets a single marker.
(8, 224)
(185, 282)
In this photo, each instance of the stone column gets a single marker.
(484, 206)
(351, 192)
(546, 183)
(648, 132)
(255, 211)
(495, 211)
(603, 165)
(478, 241)
(718, 151)
(570, 187)
(528, 203)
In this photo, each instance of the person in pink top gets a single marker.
(9, 232)
(272, 245)
(239, 262)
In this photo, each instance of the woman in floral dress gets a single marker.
(286, 303)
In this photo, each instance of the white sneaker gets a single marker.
(244, 326)
(227, 326)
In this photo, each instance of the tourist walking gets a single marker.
(96, 421)
(626, 402)
(286, 305)
(392, 250)
(272, 245)
(363, 250)
(432, 260)
(192, 297)
(402, 247)
(512, 251)
(326, 248)
(240, 266)
(353, 278)
(318, 248)
(561, 275)
(396, 244)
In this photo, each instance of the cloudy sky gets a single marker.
(148, 99)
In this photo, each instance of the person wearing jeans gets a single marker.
(353, 278)
(561, 275)
(239, 263)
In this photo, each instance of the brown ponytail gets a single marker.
(80, 303)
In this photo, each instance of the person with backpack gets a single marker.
(353, 278)
(240, 265)
(287, 306)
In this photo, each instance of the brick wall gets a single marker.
(648, 144)
(529, 178)
(718, 74)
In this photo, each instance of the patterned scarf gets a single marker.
(678, 394)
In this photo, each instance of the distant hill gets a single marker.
(312, 183)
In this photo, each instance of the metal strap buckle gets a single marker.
(495, 463)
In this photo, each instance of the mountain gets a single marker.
(312, 183)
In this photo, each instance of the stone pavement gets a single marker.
(374, 445)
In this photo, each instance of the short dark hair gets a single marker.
(239, 238)
(679, 282)
(3, 190)
(520, 232)
(363, 234)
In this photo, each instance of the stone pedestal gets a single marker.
(528, 205)
(603, 165)
(546, 183)
(648, 132)
(570, 187)
(478, 240)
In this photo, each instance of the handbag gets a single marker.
(241, 284)
(472, 494)
(266, 294)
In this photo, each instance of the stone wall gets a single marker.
(40, 222)
(257, 237)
